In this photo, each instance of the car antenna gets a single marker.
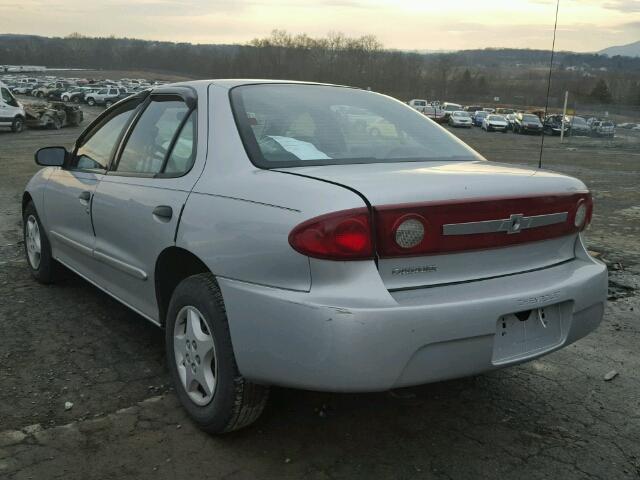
(546, 105)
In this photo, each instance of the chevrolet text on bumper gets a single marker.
(278, 241)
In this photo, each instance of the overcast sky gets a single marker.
(584, 25)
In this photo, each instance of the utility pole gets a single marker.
(564, 115)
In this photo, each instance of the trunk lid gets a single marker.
(470, 209)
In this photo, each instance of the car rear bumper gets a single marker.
(300, 340)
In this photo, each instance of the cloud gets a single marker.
(624, 6)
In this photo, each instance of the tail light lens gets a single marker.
(583, 213)
(419, 229)
(344, 235)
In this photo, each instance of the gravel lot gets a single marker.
(553, 418)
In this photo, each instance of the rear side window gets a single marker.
(298, 125)
(162, 139)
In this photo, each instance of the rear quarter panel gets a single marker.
(238, 217)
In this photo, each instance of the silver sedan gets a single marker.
(278, 241)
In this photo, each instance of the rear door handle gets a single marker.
(84, 197)
(163, 211)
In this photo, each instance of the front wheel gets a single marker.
(202, 362)
(18, 125)
(91, 102)
(37, 248)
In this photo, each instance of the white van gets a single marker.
(11, 111)
(419, 104)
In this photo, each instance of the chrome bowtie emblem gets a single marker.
(514, 224)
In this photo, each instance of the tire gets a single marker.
(76, 99)
(65, 98)
(91, 102)
(40, 94)
(233, 402)
(43, 267)
(18, 125)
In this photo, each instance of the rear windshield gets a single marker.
(530, 118)
(285, 125)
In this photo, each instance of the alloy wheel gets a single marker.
(195, 355)
(33, 243)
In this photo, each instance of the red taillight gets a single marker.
(344, 235)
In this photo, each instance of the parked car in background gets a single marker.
(418, 104)
(280, 246)
(604, 128)
(472, 108)
(578, 126)
(460, 119)
(505, 111)
(527, 123)
(553, 125)
(627, 125)
(448, 108)
(75, 95)
(108, 101)
(495, 123)
(11, 111)
(98, 97)
(23, 88)
(436, 113)
(478, 117)
(44, 91)
(53, 115)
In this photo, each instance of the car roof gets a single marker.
(230, 83)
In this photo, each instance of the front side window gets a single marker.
(150, 146)
(99, 146)
(8, 98)
(297, 125)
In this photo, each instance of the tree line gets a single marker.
(515, 76)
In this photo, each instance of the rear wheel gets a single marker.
(65, 98)
(91, 102)
(202, 362)
(37, 248)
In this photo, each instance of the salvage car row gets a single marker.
(77, 90)
(505, 119)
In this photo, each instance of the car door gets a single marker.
(137, 205)
(69, 191)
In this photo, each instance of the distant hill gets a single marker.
(629, 50)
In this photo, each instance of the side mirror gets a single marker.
(51, 156)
